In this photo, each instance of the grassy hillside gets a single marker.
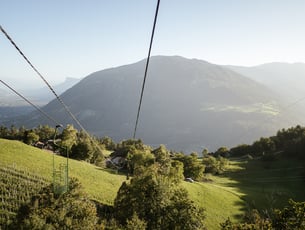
(218, 201)
(247, 184)
(16, 187)
(267, 184)
(102, 185)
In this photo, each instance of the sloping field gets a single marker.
(16, 187)
(219, 201)
(100, 184)
(267, 184)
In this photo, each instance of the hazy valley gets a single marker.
(188, 104)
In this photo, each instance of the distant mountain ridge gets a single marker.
(44, 95)
(40, 96)
(285, 78)
(188, 104)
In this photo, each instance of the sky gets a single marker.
(73, 38)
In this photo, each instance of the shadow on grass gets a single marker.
(113, 171)
(265, 185)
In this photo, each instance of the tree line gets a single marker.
(78, 145)
(151, 197)
(290, 142)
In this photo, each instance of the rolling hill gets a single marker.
(245, 184)
(219, 201)
(188, 105)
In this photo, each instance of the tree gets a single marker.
(68, 137)
(176, 171)
(157, 202)
(191, 166)
(71, 210)
(83, 150)
(290, 217)
(215, 165)
(4, 132)
(222, 151)
(135, 223)
(108, 143)
(13, 133)
(45, 132)
(138, 161)
(205, 152)
(162, 158)
(30, 137)
(263, 145)
(240, 150)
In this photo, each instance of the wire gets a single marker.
(146, 68)
(28, 101)
(40, 75)
(50, 87)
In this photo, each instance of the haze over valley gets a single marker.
(152, 115)
(188, 104)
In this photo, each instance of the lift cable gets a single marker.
(40, 75)
(50, 87)
(146, 68)
(28, 101)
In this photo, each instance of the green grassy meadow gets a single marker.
(253, 183)
(100, 184)
(267, 184)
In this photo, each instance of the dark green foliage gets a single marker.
(68, 137)
(139, 161)
(261, 224)
(214, 165)
(108, 143)
(263, 145)
(290, 141)
(157, 202)
(71, 210)
(184, 212)
(176, 171)
(136, 156)
(240, 150)
(129, 147)
(290, 217)
(45, 132)
(135, 223)
(41, 133)
(30, 137)
(16, 188)
(162, 158)
(192, 168)
(222, 152)
(4, 132)
(82, 149)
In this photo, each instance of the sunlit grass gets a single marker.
(219, 202)
(263, 108)
(101, 185)
(245, 183)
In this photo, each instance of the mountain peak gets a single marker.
(187, 103)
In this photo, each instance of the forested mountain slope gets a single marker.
(188, 104)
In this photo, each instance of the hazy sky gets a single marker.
(73, 38)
